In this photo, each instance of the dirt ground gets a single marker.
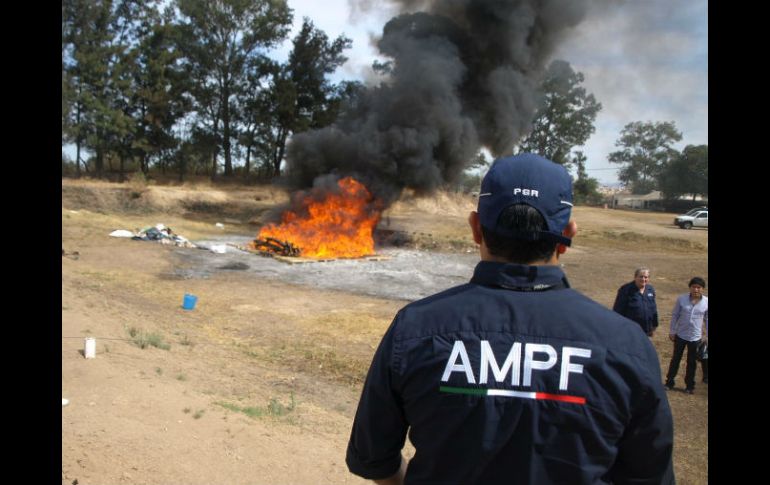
(260, 382)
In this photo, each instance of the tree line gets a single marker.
(187, 86)
(564, 121)
(649, 162)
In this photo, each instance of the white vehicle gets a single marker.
(695, 209)
(693, 218)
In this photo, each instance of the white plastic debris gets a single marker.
(220, 225)
(90, 348)
(219, 248)
(122, 233)
(64, 402)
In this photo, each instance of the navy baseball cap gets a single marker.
(527, 179)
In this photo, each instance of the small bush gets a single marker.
(275, 408)
(144, 340)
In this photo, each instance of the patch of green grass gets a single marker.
(248, 352)
(144, 340)
(159, 371)
(156, 340)
(198, 414)
(181, 377)
(250, 411)
(274, 408)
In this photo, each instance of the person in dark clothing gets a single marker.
(636, 301)
(514, 377)
(703, 357)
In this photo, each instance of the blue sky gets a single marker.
(644, 60)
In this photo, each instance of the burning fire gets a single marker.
(339, 225)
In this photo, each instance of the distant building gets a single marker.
(652, 201)
(609, 190)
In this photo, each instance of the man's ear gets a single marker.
(569, 232)
(475, 223)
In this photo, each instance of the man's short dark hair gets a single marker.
(697, 281)
(522, 218)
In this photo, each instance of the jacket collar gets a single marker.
(519, 277)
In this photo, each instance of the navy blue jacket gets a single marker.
(639, 307)
(514, 378)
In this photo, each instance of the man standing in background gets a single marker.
(691, 311)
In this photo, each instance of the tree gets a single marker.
(132, 23)
(646, 150)
(688, 173)
(99, 49)
(249, 106)
(269, 119)
(85, 48)
(585, 188)
(565, 118)
(159, 90)
(480, 161)
(218, 38)
(299, 96)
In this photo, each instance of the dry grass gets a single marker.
(442, 203)
(631, 240)
(284, 339)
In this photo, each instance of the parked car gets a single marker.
(695, 209)
(695, 217)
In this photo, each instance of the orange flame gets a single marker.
(340, 225)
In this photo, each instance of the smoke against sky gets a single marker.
(644, 61)
(464, 74)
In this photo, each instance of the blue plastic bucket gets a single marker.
(189, 301)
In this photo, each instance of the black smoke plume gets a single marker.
(463, 74)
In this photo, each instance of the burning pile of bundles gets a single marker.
(272, 246)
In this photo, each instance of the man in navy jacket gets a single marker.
(514, 377)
